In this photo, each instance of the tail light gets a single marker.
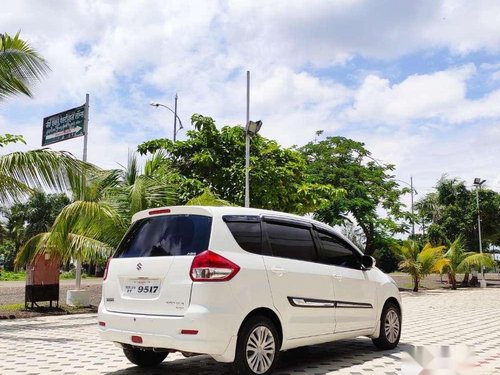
(209, 266)
(106, 270)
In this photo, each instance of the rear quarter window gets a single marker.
(167, 235)
(247, 232)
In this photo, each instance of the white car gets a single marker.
(240, 285)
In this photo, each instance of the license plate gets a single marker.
(142, 288)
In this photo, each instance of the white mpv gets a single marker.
(240, 285)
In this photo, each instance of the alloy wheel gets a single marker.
(260, 350)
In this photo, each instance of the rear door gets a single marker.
(149, 272)
(301, 289)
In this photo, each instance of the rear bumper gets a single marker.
(215, 331)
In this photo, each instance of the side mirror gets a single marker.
(367, 262)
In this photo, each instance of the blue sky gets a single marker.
(418, 82)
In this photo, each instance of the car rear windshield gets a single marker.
(166, 236)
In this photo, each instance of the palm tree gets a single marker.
(20, 66)
(456, 259)
(418, 263)
(86, 230)
(137, 190)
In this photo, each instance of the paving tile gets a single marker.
(70, 344)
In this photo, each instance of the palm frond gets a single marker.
(442, 265)
(96, 220)
(208, 199)
(155, 163)
(20, 66)
(86, 249)
(34, 246)
(11, 189)
(475, 261)
(44, 169)
(428, 257)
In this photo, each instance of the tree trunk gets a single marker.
(452, 280)
(369, 233)
(416, 280)
(465, 281)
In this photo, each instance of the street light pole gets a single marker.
(247, 146)
(251, 129)
(176, 117)
(412, 217)
(478, 183)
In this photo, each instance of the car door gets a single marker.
(301, 289)
(355, 292)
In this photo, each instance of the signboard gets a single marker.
(65, 125)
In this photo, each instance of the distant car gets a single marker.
(240, 285)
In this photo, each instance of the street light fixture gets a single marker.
(251, 129)
(176, 117)
(478, 183)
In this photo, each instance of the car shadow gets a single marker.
(317, 359)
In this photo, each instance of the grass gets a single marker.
(17, 310)
(21, 276)
(13, 307)
(12, 276)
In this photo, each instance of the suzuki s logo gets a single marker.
(139, 266)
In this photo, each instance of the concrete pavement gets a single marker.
(70, 344)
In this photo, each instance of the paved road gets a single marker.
(70, 344)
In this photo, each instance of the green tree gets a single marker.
(24, 220)
(215, 159)
(417, 262)
(369, 186)
(451, 212)
(10, 138)
(20, 66)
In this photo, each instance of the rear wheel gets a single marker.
(258, 347)
(390, 327)
(142, 357)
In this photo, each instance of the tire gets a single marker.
(144, 358)
(390, 327)
(258, 347)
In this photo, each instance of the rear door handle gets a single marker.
(278, 271)
(337, 277)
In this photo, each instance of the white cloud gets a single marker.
(127, 53)
(441, 95)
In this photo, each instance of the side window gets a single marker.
(288, 241)
(337, 252)
(247, 234)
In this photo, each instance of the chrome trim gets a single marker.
(353, 305)
(311, 302)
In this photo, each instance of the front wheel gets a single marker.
(390, 327)
(258, 347)
(144, 358)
